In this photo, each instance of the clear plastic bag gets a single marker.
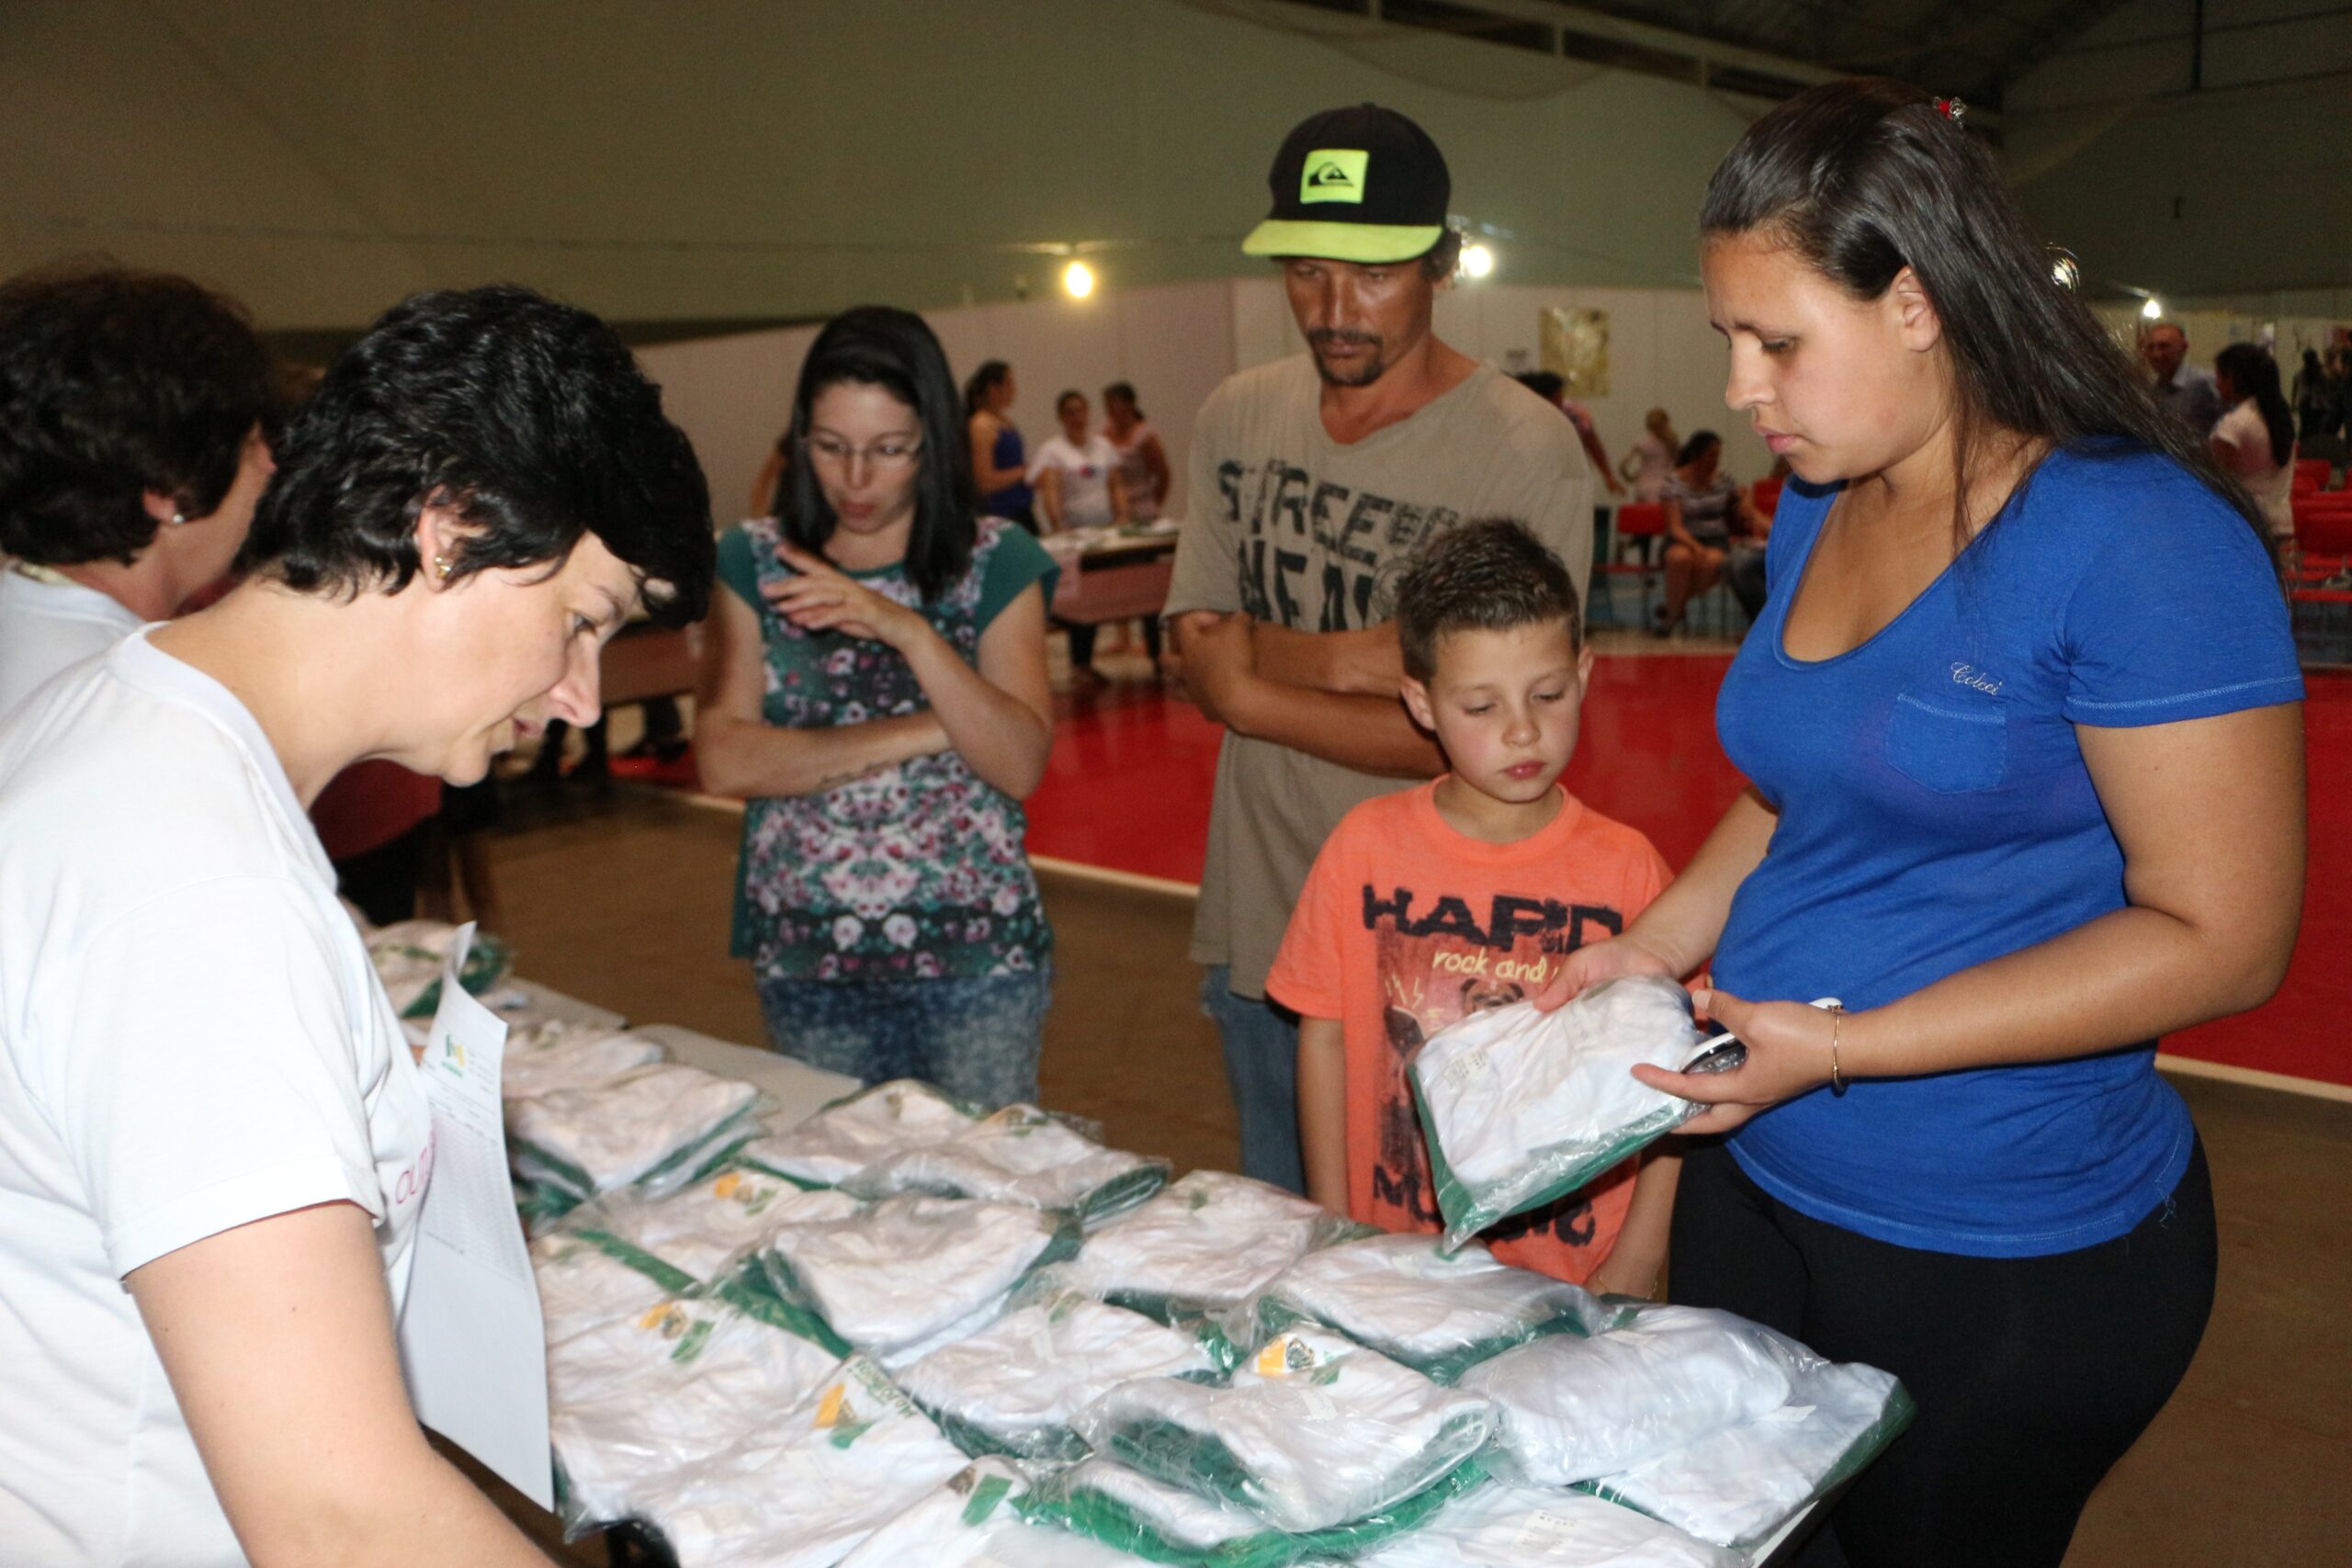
(906, 1274)
(1437, 1311)
(1020, 1155)
(1014, 1387)
(1521, 1108)
(1572, 1409)
(635, 1397)
(975, 1521)
(558, 1054)
(704, 1230)
(1314, 1432)
(408, 956)
(815, 1482)
(1198, 1254)
(656, 1126)
(1737, 1486)
(1507, 1526)
(859, 1129)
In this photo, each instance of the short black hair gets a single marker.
(114, 383)
(528, 417)
(1695, 445)
(880, 346)
(1545, 384)
(1486, 575)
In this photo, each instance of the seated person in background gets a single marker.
(1078, 485)
(1463, 894)
(132, 453)
(1701, 502)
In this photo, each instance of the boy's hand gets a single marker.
(1590, 965)
(1788, 1054)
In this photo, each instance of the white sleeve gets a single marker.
(200, 1064)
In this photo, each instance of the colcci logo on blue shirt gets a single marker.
(1969, 675)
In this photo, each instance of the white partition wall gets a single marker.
(1178, 340)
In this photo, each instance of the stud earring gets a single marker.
(442, 566)
(178, 518)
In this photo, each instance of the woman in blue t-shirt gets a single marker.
(875, 688)
(2022, 721)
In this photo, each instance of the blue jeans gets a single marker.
(977, 1038)
(1261, 1068)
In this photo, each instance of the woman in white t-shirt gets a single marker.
(1649, 462)
(2255, 437)
(132, 489)
(1076, 477)
(214, 1144)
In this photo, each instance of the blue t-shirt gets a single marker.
(1935, 813)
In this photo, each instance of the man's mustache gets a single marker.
(1322, 336)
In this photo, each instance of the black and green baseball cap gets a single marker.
(1361, 185)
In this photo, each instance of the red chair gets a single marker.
(2312, 475)
(1640, 525)
(1765, 496)
(2322, 533)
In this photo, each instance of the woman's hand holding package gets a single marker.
(1788, 1054)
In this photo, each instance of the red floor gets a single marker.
(1132, 772)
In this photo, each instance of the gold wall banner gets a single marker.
(1576, 348)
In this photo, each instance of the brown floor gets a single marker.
(621, 898)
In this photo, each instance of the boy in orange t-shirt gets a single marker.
(1463, 894)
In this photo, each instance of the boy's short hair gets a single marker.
(1486, 575)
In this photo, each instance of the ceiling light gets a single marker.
(1078, 278)
(1478, 261)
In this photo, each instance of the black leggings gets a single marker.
(2032, 1375)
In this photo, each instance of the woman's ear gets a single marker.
(1916, 323)
(441, 536)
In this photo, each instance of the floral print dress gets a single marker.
(918, 872)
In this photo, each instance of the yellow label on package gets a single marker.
(1285, 1356)
(829, 1409)
(726, 1185)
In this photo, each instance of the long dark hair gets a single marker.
(983, 381)
(1696, 447)
(877, 345)
(1867, 176)
(2254, 374)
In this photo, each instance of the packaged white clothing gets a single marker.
(1012, 1386)
(1125, 1508)
(1314, 1432)
(702, 1228)
(409, 954)
(558, 1054)
(192, 1039)
(1020, 1155)
(860, 1129)
(1524, 1106)
(975, 1521)
(658, 1121)
(816, 1480)
(1506, 1525)
(1438, 1313)
(584, 1286)
(1737, 1486)
(1203, 1246)
(1572, 1409)
(898, 1272)
(670, 1386)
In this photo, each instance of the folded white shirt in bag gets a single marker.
(1315, 1431)
(581, 1286)
(1208, 1243)
(1019, 1155)
(638, 1398)
(1573, 1409)
(816, 1481)
(972, 1522)
(854, 1133)
(898, 1272)
(1522, 1107)
(1506, 1525)
(702, 1228)
(652, 1121)
(1438, 1313)
(1014, 1386)
(558, 1054)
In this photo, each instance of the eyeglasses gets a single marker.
(891, 454)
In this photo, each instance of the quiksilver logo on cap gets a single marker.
(1333, 173)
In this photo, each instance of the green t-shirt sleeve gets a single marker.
(1017, 561)
(736, 567)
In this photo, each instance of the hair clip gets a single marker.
(2064, 270)
(1951, 110)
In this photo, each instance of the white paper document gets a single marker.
(473, 1342)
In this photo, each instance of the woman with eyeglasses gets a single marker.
(875, 688)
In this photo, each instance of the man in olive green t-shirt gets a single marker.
(1312, 480)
